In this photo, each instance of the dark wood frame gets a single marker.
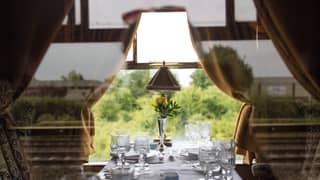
(72, 33)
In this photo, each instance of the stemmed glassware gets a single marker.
(113, 145)
(120, 143)
(142, 146)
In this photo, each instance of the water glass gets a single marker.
(142, 146)
(123, 146)
(204, 130)
(227, 158)
(122, 174)
(192, 133)
(209, 161)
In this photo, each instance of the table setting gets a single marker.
(192, 157)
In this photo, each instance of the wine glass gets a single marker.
(123, 146)
(142, 146)
(113, 145)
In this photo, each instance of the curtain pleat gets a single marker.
(12, 153)
(243, 136)
(33, 25)
(224, 76)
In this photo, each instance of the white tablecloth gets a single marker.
(185, 171)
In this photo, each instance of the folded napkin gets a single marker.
(190, 154)
(134, 157)
(170, 175)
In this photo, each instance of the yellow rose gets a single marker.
(161, 100)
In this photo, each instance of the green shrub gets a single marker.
(229, 60)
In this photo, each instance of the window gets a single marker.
(164, 37)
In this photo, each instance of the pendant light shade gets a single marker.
(163, 80)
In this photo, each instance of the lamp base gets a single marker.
(167, 142)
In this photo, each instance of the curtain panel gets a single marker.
(32, 27)
(87, 118)
(233, 77)
(293, 27)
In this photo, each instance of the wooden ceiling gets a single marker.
(232, 31)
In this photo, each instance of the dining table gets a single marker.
(173, 164)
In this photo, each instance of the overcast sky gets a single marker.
(99, 60)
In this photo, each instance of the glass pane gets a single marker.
(128, 106)
(54, 110)
(245, 10)
(77, 12)
(283, 127)
(164, 37)
(108, 14)
(265, 60)
(93, 60)
(65, 20)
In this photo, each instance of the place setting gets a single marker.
(194, 156)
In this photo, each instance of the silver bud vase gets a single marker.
(161, 125)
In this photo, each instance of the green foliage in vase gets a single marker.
(165, 106)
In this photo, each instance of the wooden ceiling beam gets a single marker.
(240, 31)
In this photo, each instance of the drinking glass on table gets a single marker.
(142, 146)
(209, 161)
(227, 158)
(113, 145)
(204, 130)
(123, 146)
(194, 133)
(187, 131)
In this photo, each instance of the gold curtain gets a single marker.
(87, 118)
(228, 78)
(33, 25)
